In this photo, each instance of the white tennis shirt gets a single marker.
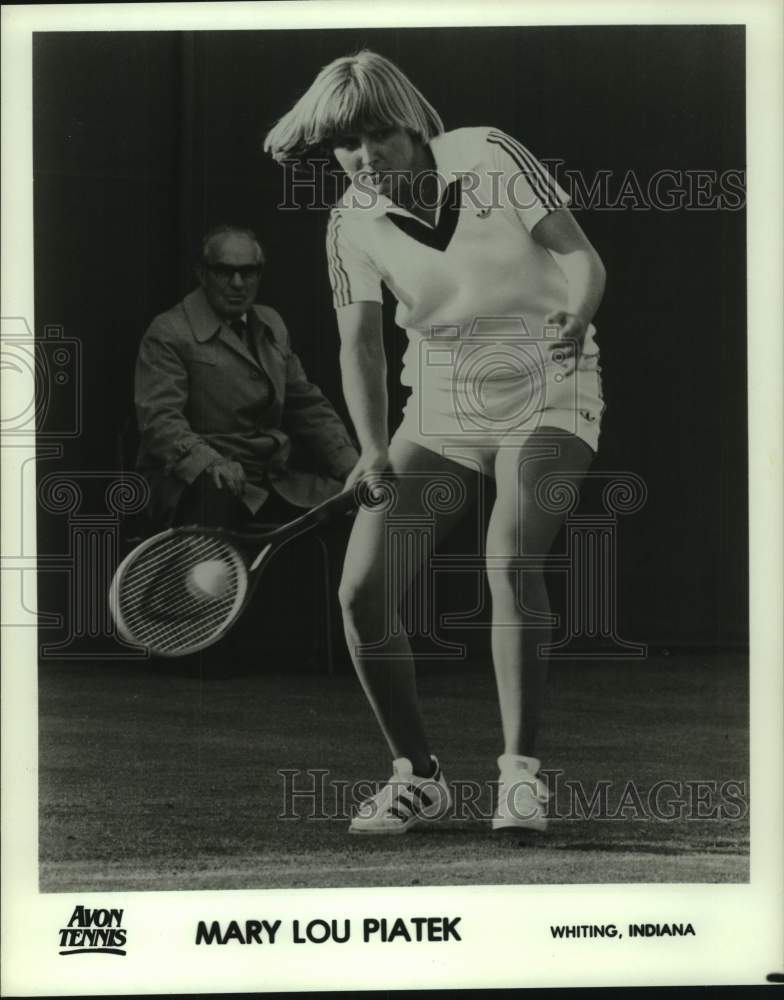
(476, 277)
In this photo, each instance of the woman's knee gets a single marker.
(510, 579)
(361, 596)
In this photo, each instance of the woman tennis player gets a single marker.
(496, 286)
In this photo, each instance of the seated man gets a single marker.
(231, 429)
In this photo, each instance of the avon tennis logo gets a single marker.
(93, 931)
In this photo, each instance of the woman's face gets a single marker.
(381, 157)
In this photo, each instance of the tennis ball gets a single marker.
(208, 580)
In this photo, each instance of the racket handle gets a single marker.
(342, 503)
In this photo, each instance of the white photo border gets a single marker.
(741, 926)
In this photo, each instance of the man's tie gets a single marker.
(240, 327)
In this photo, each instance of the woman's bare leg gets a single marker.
(372, 589)
(519, 525)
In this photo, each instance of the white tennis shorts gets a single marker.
(485, 403)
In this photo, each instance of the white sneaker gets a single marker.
(406, 799)
(522, 797)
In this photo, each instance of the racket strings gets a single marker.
(162, 605)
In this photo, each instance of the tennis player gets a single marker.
(496, 287)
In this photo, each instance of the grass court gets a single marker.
(164, 776)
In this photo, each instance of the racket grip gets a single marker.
(341, 503)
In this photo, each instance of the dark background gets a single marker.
(142, 140)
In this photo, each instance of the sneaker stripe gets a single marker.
(423, 799)
(405, 800)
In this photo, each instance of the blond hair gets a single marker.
(352, 94)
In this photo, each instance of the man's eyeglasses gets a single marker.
(225, 272)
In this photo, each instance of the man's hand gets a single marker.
(567, 349)
(229, 474)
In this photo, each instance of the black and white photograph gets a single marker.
(391, 458)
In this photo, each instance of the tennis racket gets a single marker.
(183, 589)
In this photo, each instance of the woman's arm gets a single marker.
(560, 233)
(364, 370)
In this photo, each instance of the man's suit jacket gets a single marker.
(201, 395)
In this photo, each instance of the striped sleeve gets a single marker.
(529, 186)
(352, 274)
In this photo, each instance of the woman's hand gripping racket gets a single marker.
(182, 590)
